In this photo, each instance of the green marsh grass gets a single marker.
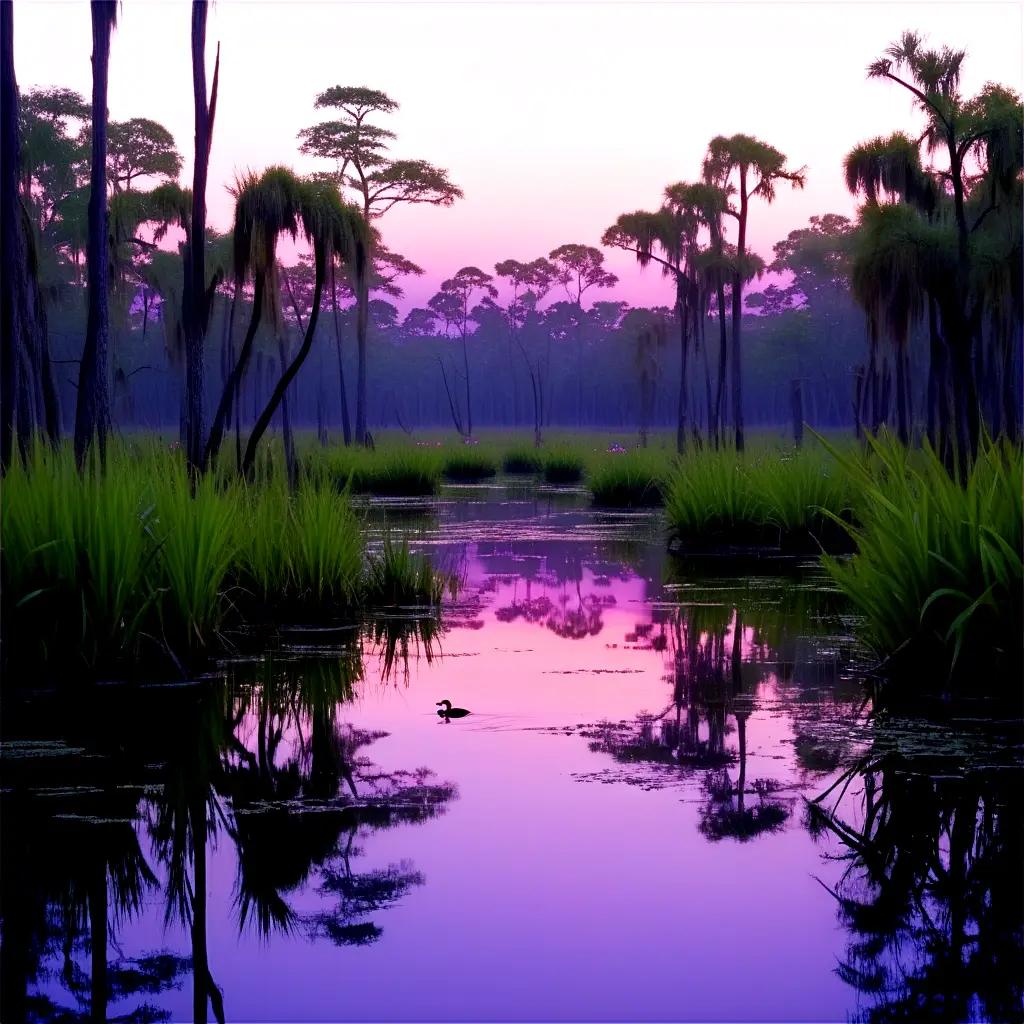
(938, 574)
(392, 471)
(793, 499)
(469, 463)
(118, 569)
(397, 576)
(563, 464)
(523, 459)
(634, 479)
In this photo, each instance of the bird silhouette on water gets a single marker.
(447, 712)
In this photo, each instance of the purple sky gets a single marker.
(552, 117)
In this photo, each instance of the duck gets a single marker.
(447, 712)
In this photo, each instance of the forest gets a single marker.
(245, 481)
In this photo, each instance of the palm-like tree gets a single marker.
(748, 168)
(266, 206)
(92, 415)
(333, 229)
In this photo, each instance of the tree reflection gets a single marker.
(264, 761)
(72, 874)
(703, 646)
(933, 889)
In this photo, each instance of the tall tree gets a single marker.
(198, 290)
(266, 206)
(332, 228)
(980, 140)
(746, 168)
(92, 415)
(453, 304)
(359, 150)
(580, 268)
(140, 148)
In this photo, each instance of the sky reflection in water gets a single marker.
(618, 831)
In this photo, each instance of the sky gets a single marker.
(552, 117)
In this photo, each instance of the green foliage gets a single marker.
(938, 573)
(770, 497)
(136, 564)
(563, 465)
(303, 550)
(396, 576)
(634, 479)
(470, 464)
(390, 472)
(523, 459)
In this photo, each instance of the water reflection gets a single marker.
(933, 890)
(166, 852)
(112, 814)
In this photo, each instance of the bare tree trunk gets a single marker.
(722, 363)
(684, 349)
(362, 316)
(277, 395)
(200, 295)
(92, 415)
(469, 401)
(286, 420)
(797, 404)
(10, 237)
(346, 425)
(220, 420)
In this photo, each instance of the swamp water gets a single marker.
(625, 827)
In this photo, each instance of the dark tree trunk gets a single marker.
(220, 420)
(684, 351)
(200, 297)
(722, 363)
(902, 428)
(469, 397)
(286, 420)
(362, 318)
(10, 236)
(92, 415)
(346, 424)
(796, 401)
(277, 395)
(737, 318)
(98, 944)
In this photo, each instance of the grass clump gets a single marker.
(563, 465)
(389, 472)
(304, 551)
(711, 499)
(469, 463)
(135, 565)
(629, 479)
(396, 576)
(938, 576)
(791, 500)
(523, 459)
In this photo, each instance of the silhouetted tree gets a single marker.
(92, 415)
(747, 168)
(359, 151)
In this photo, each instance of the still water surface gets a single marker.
(624, 827)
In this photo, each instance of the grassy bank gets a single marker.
(795, 500)
(134, 564)
(938, 576)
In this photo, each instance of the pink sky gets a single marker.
(552, 117)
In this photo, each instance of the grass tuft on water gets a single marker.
(523, 459)
(469, 463)
(635, 479)
(563, 465)
(938, 576)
